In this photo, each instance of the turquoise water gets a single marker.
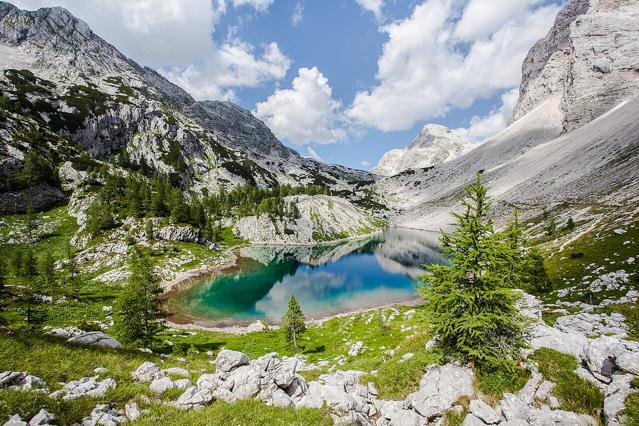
(325, 279)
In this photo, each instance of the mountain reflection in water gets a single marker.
(326, 279)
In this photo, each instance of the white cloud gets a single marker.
(366, 163)
(306, 112)
(373, 6)
(175, 37)
(298, 14)
(482, 128)
(232, 64)
(259, 5)
(312, 154)
(481, 18)
(425, 69)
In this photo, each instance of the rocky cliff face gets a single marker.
(590, 58)
(575, 137)
(62, 77)
(435, 144)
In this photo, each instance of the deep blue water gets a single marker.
(325, 279)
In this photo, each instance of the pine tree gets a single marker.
(551, 227)
(468, 301)
(31, 220)
(148, 230)
(99, 217)
(293, 322)
(32, 291)
(46, 270)
(71, 282)
(570, 224)
(137, 313)
(5, 293)
(537, 276)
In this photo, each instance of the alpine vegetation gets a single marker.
(470, 302)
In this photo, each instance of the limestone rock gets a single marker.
(132, 411)
(104, 414)
(42, 418)
(228, 360)
(593, 325)
(193, 398)
(606, 354)
(440, 388)
(483, 411)
(21, 380)
(96, 338)
(87, 386)
(159, 386)
(147, 372)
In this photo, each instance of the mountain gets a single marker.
(435, 144)
(82, 94)
(574, 138)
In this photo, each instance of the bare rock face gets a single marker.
(435, 144)
(40, 195)
(590, 58)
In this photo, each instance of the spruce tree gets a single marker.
(5, 293)
(46, 270)
(293, 322)
(137, 313)
(32, 291)
(469, 302)
(31, 220)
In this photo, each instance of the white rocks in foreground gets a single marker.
(440, 388)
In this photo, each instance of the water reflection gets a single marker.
(325, 279)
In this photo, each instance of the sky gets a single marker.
(342, 81)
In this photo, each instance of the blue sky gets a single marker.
(342, 80)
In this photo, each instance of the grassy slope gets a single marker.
(56, 361)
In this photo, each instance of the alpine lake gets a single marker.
(326, 279)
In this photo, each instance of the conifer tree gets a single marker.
(32, 290)
(570, 224)
(293, 322)
(137, 313)
(46, 270)
(148, 230)
(5, 293)
(31, 220)
(469, 302)
(71, 282)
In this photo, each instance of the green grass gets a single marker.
(247, 412)
(566, 270)
(494, 382)
(574, 393)
(631, 312)
(632, 409)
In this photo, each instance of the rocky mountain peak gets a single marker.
(435, 144)
(589, 58)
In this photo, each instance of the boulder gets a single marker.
(593, 325)
(615, 397)
(159, 386)
(15, 420)
(183, 384)
(42, 418)
(95, 338)
(132, 411)
(228, 360)
(86, 386)
(472, 420)
(440, 388)
(542, 336)
(147, 372)
(176, 371)
(483, 411)
(21, 380)
(193, 398)
(104, 414)
(606, 354)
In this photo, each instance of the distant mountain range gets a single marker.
(435, 144)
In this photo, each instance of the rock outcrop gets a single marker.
(435, 144)
(322, 218)
(96, 338)
(590, 58)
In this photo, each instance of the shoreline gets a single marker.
(235, 328)
(184, 280)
